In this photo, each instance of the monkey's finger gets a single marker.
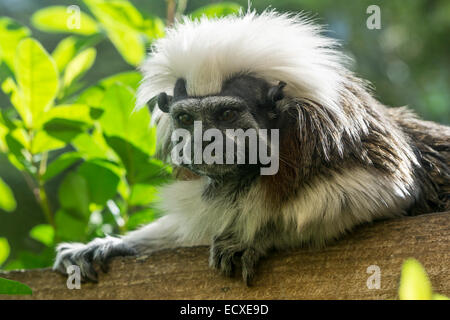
(215, 257)
(249, 260)
(88, 271)
(66, 262)
(227, 264)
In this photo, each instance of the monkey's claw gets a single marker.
(226, 255)
(250, 258)
(85, 256)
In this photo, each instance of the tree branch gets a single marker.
(336, 272)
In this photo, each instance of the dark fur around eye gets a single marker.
(185, 119)
(228, 115)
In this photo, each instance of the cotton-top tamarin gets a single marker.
(344, 158)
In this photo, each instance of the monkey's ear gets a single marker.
(180, 92)
(275, 93)
(164, 101)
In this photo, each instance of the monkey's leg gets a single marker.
(155, 236)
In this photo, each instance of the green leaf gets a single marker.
(15, 162)
(142, 194)
(16, 145)
(60, 164)
(4, 250)
(7, 200)
(13, 287)
(133, 159)
(89, 146)
(121, 120)
(37, 78)
(17, 153)
(7, 119)
(64, 52)
(120, 11)
(92, 96)
(93, 146)
(64, 129)
(3, 132)
(79, 65)
(29, 260)
(10, 88)
(102, 182)
(414, 282)
(7, 125)
(140, 218)
(22, 136)
(74, 112)
(140, 167)
(65, 122)
(73, 195)
(69, 227)
(44, 142)
(129, 78)
(127, 41)
(216, 10)
(153, 28)
(122, 22)
(43, 233)
(62, 19)
(11, 32)
(437, 296)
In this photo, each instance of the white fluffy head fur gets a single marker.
(272, 46)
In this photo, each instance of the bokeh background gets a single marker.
(407, 60)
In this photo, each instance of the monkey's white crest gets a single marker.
(272, 46)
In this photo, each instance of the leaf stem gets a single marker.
(171, 7)
(39, 189)
(45, 204)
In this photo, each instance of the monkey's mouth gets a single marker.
(204, 160)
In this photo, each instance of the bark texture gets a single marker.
(336, 272)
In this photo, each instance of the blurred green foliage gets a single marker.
(92, 137)
(13, 287)
(10, 286)
(76, 162)
(415, 284)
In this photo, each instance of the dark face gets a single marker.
(244, 103)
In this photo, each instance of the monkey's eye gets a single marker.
(185, 119)
(228, 115)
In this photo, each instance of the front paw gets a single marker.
(227, 254)
(98, 251)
